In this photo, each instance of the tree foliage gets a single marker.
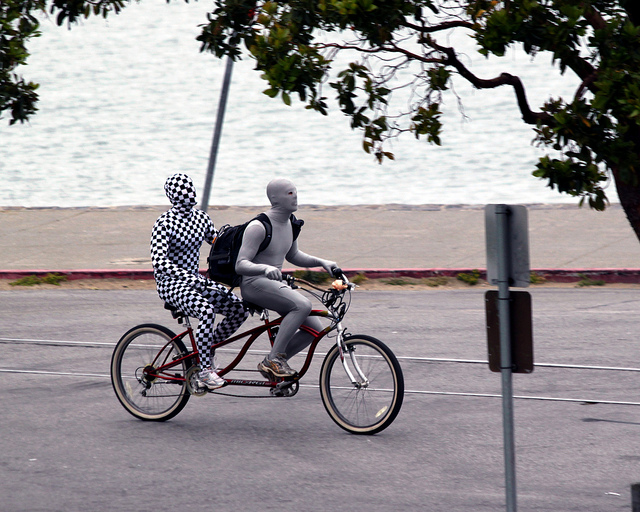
(401, 48)
(18, 24)
(295, 44)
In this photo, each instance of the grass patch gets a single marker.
(397, 281)
(471, 278)
(434, 282)
(26, 281)
(587, 281)
(359, 278)
(55, 279)
(537, 278)
(34, 280)
(311, 276)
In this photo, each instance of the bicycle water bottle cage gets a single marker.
(175, 312)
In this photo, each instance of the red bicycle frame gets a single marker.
(161, 371)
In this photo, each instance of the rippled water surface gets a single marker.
(129, 100)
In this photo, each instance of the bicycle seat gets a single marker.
(175, 312)
(253, 308)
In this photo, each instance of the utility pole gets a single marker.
(215, 144)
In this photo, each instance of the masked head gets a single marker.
(283, 195)
(181, 191)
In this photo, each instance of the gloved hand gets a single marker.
(199, 284)
(273, 273)
(329, 266)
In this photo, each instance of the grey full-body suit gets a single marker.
(261, 271)
(176, 240)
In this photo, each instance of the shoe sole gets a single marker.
(211, 388)
(270, 373)
(266, 375)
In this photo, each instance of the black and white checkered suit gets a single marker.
(176, 240)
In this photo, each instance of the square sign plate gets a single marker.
(517, 244)
(521, 331)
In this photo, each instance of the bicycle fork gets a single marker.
(342, 348)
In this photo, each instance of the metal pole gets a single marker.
(502, 228)
(216, 134)
(635, 497)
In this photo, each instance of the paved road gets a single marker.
(67, 445)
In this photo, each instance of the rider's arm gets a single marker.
(210, 232)
(251, 239)
(160, 239)
(301, 259)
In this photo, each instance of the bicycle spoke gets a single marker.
(145, 392)
(368, 406)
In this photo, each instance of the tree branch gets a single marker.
(436, 28)
(595, 19)
(384, 48)
(528, 115)
(586, 84)
(584, 69)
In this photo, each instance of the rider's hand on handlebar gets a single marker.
(336, 271)
(273, 273)
(331, 267)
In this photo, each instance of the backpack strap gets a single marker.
(296, 226)
(266, 222)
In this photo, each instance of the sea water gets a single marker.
(127, 101)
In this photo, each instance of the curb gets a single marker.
(608, 275)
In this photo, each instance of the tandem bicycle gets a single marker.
(153, 370)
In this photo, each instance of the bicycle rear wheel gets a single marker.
(145, 393)
(372, 402)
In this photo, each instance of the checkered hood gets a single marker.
(181, 191)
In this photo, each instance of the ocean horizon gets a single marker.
(127, 101)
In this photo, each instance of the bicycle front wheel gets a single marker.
(363, 392)
(147, 380)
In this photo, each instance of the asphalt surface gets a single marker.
(67, 444)
(357, 237)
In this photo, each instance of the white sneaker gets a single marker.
(210, 379)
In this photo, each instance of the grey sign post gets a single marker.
(507, 265)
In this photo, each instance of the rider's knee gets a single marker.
(208, 313)
(304, 306)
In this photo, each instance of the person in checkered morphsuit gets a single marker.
(176, 240)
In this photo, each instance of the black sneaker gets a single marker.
(276, 367)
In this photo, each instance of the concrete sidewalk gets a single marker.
(427, 238)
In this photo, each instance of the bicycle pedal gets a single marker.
(280, 392)
(284, 388)
(198, 389)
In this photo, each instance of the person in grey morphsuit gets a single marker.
(262, 277)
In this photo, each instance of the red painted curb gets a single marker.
(72, 275)
(608, 275)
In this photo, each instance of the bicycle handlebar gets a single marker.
(333, 297)
(337, 272)
(342, 282)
